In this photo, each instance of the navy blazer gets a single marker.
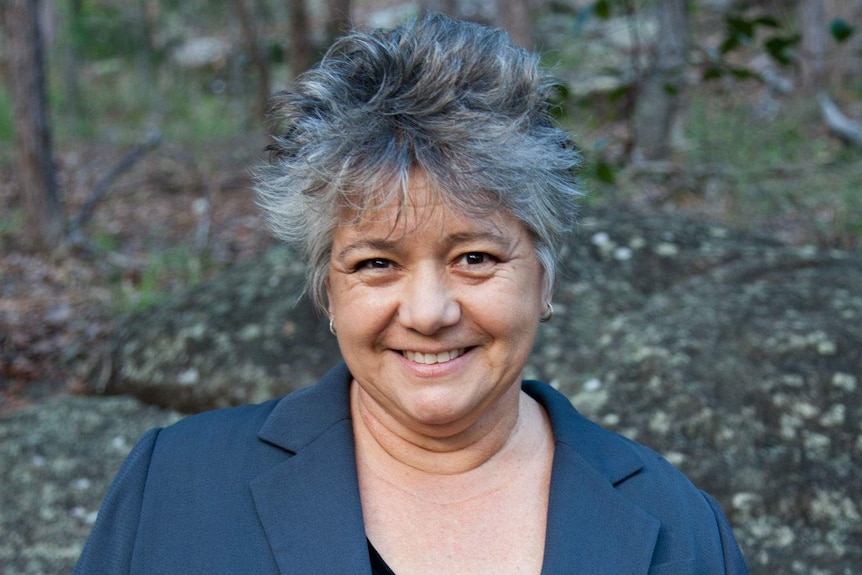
(272, 489)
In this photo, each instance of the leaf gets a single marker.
(740, 28)
(729, 44)
(602, 9)
(743, 73)
(767, 21)
(777, 47)
(605, 173)
(713, 73)
(841, 30)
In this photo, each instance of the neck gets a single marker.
(445, 451)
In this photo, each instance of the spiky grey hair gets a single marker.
(458, 101)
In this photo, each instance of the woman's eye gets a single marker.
(374, 264)
(475, 258)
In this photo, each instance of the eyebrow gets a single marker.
(388, 245)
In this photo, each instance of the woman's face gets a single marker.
(436, 311)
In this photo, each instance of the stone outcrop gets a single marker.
(57, 459)
(737, 357)
(243, 338)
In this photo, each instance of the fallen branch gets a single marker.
(102, 188)
(845, 129)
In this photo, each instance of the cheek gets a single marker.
(359, 313)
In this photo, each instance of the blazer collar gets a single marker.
(585, 511)
(309, 504)
(316, 488)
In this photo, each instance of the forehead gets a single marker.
(421, 206)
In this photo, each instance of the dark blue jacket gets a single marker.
(272, 489)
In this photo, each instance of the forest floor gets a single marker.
(163, 226)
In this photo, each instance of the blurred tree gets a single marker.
(830, 50)
(515, 17)
(338, 19)
(300, 56)
(247, 11)
(815, 36)
(39, 193)
(661, 89)
(71, 61)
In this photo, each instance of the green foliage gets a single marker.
(7, 133)
(777, 171)
(11, 222)
(841, 30)
(741, 30)
(167, 270)
(602, 9)
(780, 48)
(106, 30)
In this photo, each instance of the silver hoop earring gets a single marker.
(332, 327)
(549, 313)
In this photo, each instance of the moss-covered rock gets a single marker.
(57, 459)
(738, 358)
(244, 337)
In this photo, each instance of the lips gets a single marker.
(432, 358)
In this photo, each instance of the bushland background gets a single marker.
(127, 131)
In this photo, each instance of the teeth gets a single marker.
(431, 358)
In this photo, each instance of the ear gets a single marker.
(329, 311)
(547, 290)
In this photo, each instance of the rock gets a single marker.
(736, 356)
(58, 459)
(243, 338)
(739, 359)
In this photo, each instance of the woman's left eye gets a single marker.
(475, 258)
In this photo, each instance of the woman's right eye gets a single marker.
(374, 264)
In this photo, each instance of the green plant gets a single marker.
(7, 132)
(781, 174)
(166, 271)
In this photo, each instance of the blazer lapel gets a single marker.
(309, 504)
(591, 527)
(316, 488)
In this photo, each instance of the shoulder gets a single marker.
(691, 524)
(283, 422)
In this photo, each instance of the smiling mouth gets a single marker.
(432, 358)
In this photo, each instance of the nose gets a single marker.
(428, 303)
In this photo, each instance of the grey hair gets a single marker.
(458, 101)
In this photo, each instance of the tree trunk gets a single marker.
(257, 53)
(514, 17)
(661, 91)
(814, 29)
(300, 38)
(73, 103)
(847, 58)
(339, 21)
(40, 195)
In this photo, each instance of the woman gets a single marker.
(420, 173)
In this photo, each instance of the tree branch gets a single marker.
(845, 129)
(154, 138)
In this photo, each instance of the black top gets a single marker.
(378, 565)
